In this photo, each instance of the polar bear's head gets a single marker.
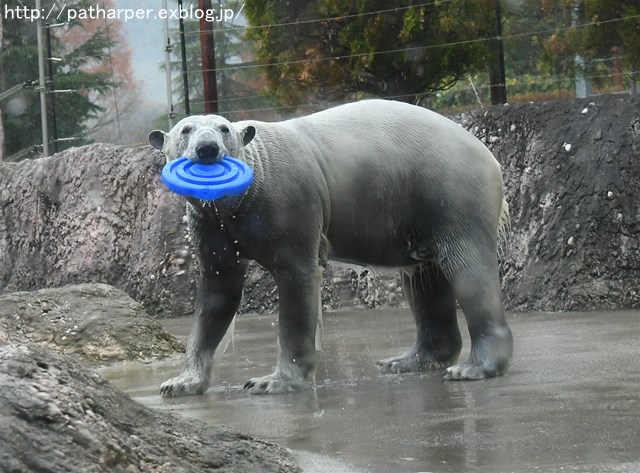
(203, 138)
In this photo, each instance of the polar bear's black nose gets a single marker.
(207, 152)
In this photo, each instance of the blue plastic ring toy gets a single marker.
(207, 181)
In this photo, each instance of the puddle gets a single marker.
(569, 403)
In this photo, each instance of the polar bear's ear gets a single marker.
(247, 134)
(156, 138)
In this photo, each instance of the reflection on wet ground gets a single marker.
(570, 402)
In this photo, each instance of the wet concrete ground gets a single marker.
(570, 402)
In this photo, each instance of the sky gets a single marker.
(146, 40)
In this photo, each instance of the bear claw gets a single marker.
(182, 386)
(470, 372)
(274, 385)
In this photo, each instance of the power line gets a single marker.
(417, 48)
(415, 95)
(9, 92)
(582, 25)
(253, 65)
(332, 18)
(399, 50)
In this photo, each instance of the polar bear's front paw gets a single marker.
(274, 384)
(184, 385)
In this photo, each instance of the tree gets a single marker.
(238, 87)
(335, 50)
(527, 26)
(595, 30)
(86, 69)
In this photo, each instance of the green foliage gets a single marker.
(238, 88)
(594, 30)
(397, 52)
(81, 70)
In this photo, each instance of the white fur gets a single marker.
(383, 183)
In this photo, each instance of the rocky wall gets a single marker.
(571, 168)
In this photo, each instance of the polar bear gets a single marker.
(375, 182)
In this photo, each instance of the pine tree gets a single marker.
(82, 47)
(369, 48)
(238, 87)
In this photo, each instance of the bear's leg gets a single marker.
(298, 293)
(477, 288)
(218, 298)
(438, 340)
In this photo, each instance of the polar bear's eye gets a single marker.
(224, 129)
(186, 130)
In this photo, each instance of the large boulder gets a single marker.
(95, 322)
(571, 171)
(98, 213)
(58, 416)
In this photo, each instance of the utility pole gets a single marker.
(1, 123)
(167, 67)
(183, 54)
(583, 85)
(208, 51)
(499, 88)
(42, 87)
(54, 118)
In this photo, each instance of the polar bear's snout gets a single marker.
(207, 152)
(205, 147)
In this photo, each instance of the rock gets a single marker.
(343, 286)
(58, 416)
(99, 213)
(95, 322)
(599, 181)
